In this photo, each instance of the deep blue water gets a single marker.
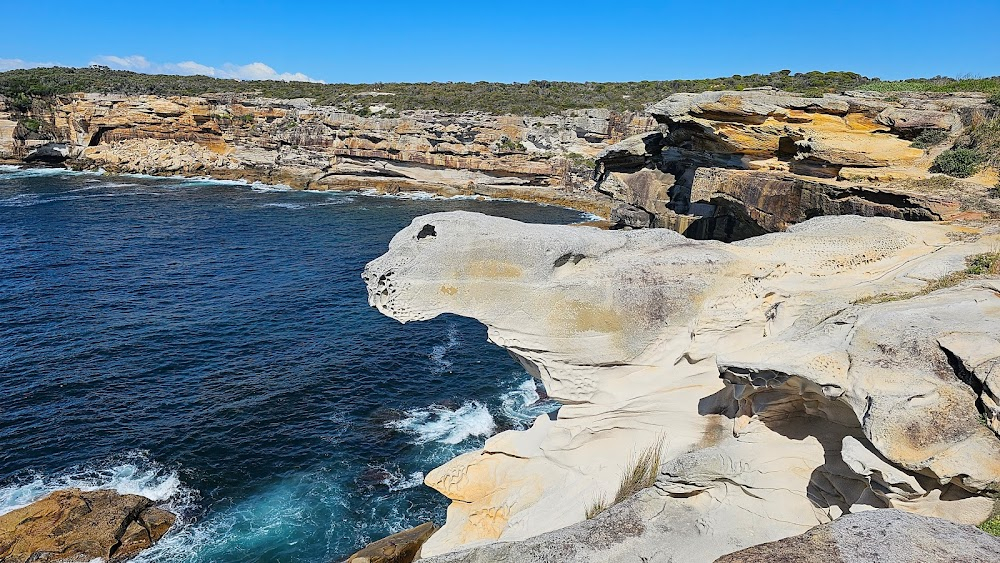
(210, 345)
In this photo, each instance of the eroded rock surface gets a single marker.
(783, 398)
(886, 536)
(74, 525)
(730, 165)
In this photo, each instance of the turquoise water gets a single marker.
(209, 345)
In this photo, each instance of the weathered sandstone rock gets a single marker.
(774, 201)
(886, 536)
(621, 534)
(323, 147)
(73, 525)
(826, 405)
(397, 548)
(768, 159)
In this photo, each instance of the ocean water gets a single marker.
(209, 345)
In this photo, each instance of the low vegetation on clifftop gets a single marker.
(537, 97)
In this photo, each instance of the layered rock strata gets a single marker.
(729, 165)
(321, 147)
(780, 392)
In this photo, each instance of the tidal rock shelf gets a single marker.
(786, 380)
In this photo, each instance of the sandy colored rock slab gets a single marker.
(402, 547)
(73, 525)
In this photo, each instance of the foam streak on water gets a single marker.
(210, 345)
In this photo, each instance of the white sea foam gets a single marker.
(284, 205)
(588, 217)
(522, 405)
(266, 188)
(414, 479)
(287, 510)
(439, 352)
(20, 200)
(437, 423)
(16, 172)
(396, 480)
(133, 474)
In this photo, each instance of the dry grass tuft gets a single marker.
(640, 472)
(980, 265)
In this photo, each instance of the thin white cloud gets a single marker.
(134, 62)
(252, 71)
(11, 64)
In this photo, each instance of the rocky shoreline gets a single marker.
(811, 334)
(716, 165)
(292, 142)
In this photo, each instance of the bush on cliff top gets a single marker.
(538, 97)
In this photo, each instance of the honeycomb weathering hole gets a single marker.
(427, 230)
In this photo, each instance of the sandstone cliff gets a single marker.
(723, 165)
(729, 165)
(844, 365)
(321, 147)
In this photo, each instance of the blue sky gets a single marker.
(510, 41)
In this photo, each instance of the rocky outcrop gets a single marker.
(781, 393)
(73, 525)
(740, 163)
(889, 536)
(322, 147)
(397, 548)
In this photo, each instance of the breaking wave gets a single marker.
(438, 423)
(132, 474)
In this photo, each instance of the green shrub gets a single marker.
(991, 526)
(994, 192)
(21, 102)
(581, 160)
(984, 136)
(995, 99)
(32, 125)
(510, 145)
(928, 138)
(960, 163)
(980, 264)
